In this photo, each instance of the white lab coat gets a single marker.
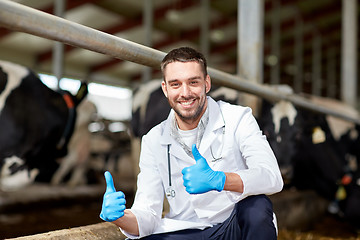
(244, 150)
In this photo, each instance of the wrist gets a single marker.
(221, 181)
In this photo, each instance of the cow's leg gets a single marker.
(67, 163)
(81, 165)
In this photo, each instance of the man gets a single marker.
(208, 158)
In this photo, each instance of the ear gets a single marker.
(163, 87)
(207, 83)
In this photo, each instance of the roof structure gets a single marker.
(178, 23)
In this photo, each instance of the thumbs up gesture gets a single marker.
(113, 205)
(200, 178)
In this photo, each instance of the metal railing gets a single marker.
(21, 18)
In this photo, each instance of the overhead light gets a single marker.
(109, 91)
(72, 85)
(49, 80)
(217, 35)
(272, 60)
(96, 127)
(173, 16)
(117, 127)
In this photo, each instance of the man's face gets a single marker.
(185, 87)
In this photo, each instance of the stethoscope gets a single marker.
(170, 192)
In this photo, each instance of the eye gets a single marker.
(174, 84)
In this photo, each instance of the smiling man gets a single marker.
(209, 159)
(185, 87)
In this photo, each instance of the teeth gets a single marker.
(187, 103)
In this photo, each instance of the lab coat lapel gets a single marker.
(175, 148)
(216, 121)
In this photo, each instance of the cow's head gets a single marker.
(278, 124)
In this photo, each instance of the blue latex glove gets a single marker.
(113, 203)
(200, 178)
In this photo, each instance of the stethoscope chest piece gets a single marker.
(170, 192)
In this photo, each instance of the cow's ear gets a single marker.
(164, 89)
(82, 92)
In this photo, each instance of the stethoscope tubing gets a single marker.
(169, 168)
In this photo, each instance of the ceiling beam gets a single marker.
(126, 25)
(189, 35)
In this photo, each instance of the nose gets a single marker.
(185, 90)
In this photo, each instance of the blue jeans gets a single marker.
(252, 218)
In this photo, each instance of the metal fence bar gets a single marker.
(25, 19)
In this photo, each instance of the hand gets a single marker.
(200, 178)
(113, 203)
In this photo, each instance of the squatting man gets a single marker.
(209, 159)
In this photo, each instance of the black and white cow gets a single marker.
(347, 136)
(304, 146)
(316, 151)
(36, 124)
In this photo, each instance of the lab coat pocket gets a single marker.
(209, 204)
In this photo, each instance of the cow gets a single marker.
(316, 151)
(303, 145)
(36, 124)
(347, 136)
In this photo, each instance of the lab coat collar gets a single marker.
(166, 139)
(216, 121)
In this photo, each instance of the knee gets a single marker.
(256, 212)
(255, 218)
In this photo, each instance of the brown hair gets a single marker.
(184, 54)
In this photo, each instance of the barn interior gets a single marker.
(312, 46)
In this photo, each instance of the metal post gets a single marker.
(331, 73)
(299, 48)
(148, 15)
(316, 66)
(349, 52)
(275, 42)
(250, 45)
(204, 28)
(250, 39)
(58, 48)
